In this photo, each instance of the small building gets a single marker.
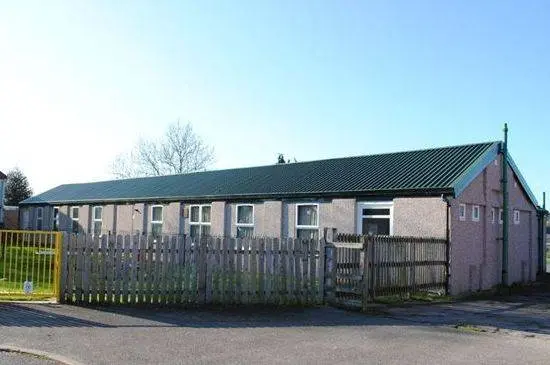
(3, 179)
(451, 192)
(11, 217)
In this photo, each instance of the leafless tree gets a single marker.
(180, 151)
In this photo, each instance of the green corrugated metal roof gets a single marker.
(423, 172)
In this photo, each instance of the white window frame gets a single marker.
(95, 220)
(73, 218)
(461, 214)
(474, 208)
(373, 205)
(200, 223)
(39, 217)
(493, 215)
(55, 219)
(244, 225)
(517, 216)
(310, 227)
(161, 222)
(500, 216)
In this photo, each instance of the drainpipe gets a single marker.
(505, 222)
(542, 236)
(447, 200)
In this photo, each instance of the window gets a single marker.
(500, 215)
(516, 216)
(156, 220)
(74, 217)
(307, 221)
(26, 220)
(462, 212)
(245, 220)
(475, 213)
(97, 220)
(493, 216)
(56, 218)
(199, 220)
(39, 216)
(375, 218)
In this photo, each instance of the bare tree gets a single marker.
(180, 151)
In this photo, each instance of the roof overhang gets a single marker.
(481, 163)
(420, 192)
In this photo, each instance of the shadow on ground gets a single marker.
(528, 312)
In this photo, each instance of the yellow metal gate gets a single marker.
(29, 264)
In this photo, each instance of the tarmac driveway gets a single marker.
(261, 336)
(527, 314)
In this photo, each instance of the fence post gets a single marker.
(61, 253)
(322, 270)
(372, 266)
(201, 271)
(366, 277)
(330, 272)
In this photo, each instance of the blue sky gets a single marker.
(83, 81)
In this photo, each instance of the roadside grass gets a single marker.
(422, 297)
(21, 263)
(469, 328)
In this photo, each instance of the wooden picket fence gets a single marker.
(179, 270)
(362, 269)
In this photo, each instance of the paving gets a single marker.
(432, 334)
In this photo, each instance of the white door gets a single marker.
(375, 218)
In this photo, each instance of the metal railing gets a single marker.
(29, 264)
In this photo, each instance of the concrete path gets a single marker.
(259, 336)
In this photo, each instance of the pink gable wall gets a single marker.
(476, 247)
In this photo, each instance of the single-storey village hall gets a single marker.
(451, 192)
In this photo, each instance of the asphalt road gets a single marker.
(259, 336)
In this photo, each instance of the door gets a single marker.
(375, 218)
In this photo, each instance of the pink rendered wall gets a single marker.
(476, 247)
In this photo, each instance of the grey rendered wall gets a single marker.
(64, 218)
(217, 219)
(171, 223)
(267, 218)
(129, 218)
(343, 216)
(476, 247)
(336, 213)
(420, 217)
(108, 220)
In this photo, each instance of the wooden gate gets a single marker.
(363, 269)
(348, 274)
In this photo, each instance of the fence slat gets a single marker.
(291, 280)
(277, 294)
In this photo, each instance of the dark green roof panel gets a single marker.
(423, 171)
